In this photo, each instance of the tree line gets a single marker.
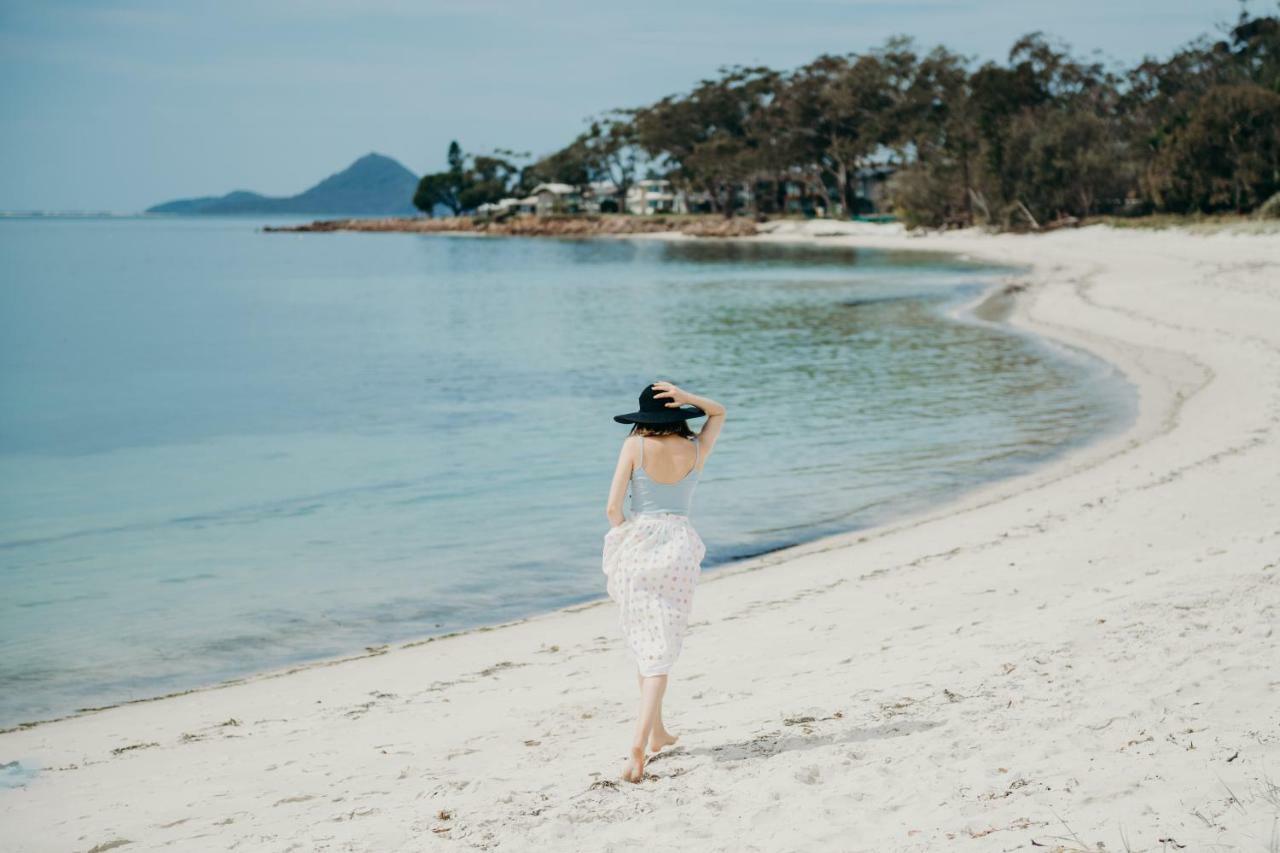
(1040, 137)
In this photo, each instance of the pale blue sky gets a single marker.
(119, 105)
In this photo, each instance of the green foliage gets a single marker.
(469, 182)
(1041, 137)
(1269, 209)
(438, 190)
(930, 197)
(1206, 121)
(487, 181)
(715, 138)
(605, 152)
(569, 165)
(1227, 154)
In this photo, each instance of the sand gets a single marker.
(1083, 658)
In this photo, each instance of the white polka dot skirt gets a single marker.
(652, 563)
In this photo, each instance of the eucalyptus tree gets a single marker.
(468, 182)
(843, 110)
(442, 189)
(489, 179)
(936, 184)
(1208, 120)
(710, 139)
(570, 165)
(613, 153)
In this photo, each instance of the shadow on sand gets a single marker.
(776, 742)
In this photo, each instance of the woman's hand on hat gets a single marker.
(668, 391)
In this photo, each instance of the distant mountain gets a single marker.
(374, 185)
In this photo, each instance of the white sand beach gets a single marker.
(1084, 658)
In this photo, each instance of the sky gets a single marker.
(120, 105)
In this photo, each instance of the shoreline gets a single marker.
(576, 225)
(1058, 640)
(999, 287)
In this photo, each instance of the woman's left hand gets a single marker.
(668, 391)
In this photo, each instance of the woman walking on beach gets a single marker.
(652, 560)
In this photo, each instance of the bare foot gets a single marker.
(635, 766)
(658, 740)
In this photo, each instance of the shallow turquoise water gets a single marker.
(223, 450)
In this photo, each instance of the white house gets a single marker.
(556, 198)
(601, 197)
(519, 205)
(654, 196)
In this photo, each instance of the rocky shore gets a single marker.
(539, 226)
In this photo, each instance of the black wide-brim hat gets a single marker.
(655, 411)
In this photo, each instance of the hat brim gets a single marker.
(665, 416)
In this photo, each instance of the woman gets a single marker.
(653, 559)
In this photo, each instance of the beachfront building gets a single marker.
(557, 198)
(799, 196)
(648, 197)
(601, 197)
(872, 189)
(494, 208)
(810, 195)
(507, 206)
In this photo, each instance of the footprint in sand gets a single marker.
(299, 799)
(109, 845)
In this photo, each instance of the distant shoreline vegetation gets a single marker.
(1044, 138)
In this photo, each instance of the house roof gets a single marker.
(555, 189)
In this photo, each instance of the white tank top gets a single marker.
(649, 495)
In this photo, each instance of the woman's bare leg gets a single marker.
(660, 736)
(651, 689)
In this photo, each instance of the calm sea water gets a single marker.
(223, 450)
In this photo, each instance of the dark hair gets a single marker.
(680, 428)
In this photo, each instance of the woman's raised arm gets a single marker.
(710, 431)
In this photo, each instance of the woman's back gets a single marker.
(668, 458)
(665, 474)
